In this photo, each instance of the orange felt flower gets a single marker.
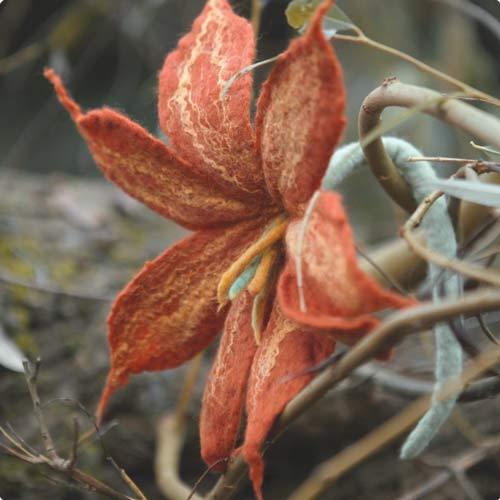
(240, 191)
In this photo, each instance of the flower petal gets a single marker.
(339, 296)
(222, 401)
(300, 117)
(211, 132)
(168, 312)
(286, 350)
(149, 171)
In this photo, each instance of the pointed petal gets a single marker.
(300, 117)
(339, 296)
(286, 350)
(223, 398)
(149, 171)
(168, 312)
(210, 132)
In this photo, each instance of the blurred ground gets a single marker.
(77, 240)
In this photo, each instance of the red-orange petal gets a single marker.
(210, 132)
(149, 171)
(224, 393)
(286, 350)
(169, 311)
(300, 116)
(339, 296)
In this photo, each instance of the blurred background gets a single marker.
(69, 241)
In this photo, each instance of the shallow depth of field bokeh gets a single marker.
(69, 240)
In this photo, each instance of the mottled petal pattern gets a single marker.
(212, 133)
(169, 311)
(300, 117)
(149, 171)
(339, 296)
(285, 350)
(224, 393)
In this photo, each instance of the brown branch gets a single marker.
(392, 92)
(486, 275)
(51, 459)
(391, 332)
(410, 387)
(170, 435)
(362, 39)
(331, 470)
(461, 464)
(170, 440)
(31, 375)
(127, 479)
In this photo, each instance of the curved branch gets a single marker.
(484, 126)
(394, 329)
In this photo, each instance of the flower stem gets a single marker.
(362, 39)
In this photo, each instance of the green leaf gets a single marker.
(299, 13)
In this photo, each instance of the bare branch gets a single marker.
(390, 333)
(461, 463)
(392, 92)
(331, 470)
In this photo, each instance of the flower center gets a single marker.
(255, 271)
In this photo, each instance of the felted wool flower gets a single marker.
(241, 190)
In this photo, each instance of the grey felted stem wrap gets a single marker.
(440, 237)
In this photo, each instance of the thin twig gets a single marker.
(361, 38)
(486, 329)
(74, 448)
(52, 459)
(17, 443)
(204, 475)
(127, 479)
(31, 375)
(462, 463)
(486, 275)
(439, 159)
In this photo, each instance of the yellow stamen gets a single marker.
(262, 274)
(267, 240)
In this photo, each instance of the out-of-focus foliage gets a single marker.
(110, 51)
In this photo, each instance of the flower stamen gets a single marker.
(267, 240)
(264, 269)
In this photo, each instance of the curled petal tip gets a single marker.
(109, 389)
(62, 93)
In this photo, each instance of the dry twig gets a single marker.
(392, 92)
(489, 276)
(170, 431)
(51, 459)
(458, 465)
